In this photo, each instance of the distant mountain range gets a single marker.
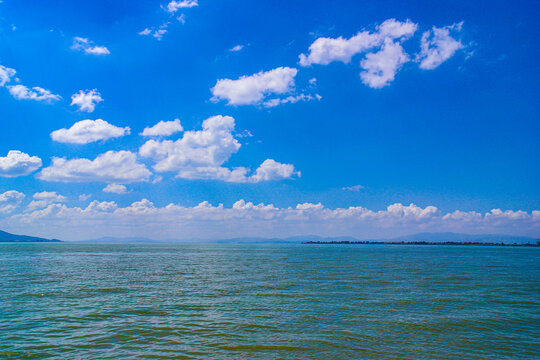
(110, 239)
(7, 237)
(239, 240)
(421, 237)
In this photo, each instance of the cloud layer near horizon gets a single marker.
(247, 219)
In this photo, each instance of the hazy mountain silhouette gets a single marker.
(7, 237)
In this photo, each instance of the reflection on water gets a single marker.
(179, 301)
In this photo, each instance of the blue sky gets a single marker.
(368, 118)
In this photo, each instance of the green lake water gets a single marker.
(271, 301)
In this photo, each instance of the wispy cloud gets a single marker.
(353, 188)
(174, 6)
(236, 48)
(87, 46)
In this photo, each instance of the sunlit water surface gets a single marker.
(208, 301)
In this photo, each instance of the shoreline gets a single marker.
(452, 243)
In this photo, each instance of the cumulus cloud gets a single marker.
(87, 46)
(87, 131)
(21, 92)
(324, 50)
(163, 128)
(248, 219)
(250, 90)
(211, 146)
(437, 46)
(201, 154)
(86, 101)
(110, 167)
(115, 189)
(384, 52)
(174, 6)
(380, 68)
(272, 170)
(9, 201)
(49, 195)
(17, 163)
(45, 198)
(6, 74)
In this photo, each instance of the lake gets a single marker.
(268, 301)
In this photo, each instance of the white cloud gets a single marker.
(248, 219)
(173, 6)
(116, 189)
(236, 48)
(250, 90)
(163, 128)
(21, 92)
(87, 131)
(383, 48)
(211, 146)
(97, 50)
(84, 197)
(44, 199)
(323, 51)
(272, 170)
(87, 46)
(10, 200)
(326, 50)
(156, 33)
(201, 154)
(237, 174)
(380, 68)
(110, 167)
(145, 32)
(86, 101)
(244, 134)
(162, 30)
(290, 100)
(353, 188)
(437, 46)
(50, 196)
(6, 74)
(17, 163)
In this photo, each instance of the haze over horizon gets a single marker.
(197, 119)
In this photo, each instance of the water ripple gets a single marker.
(103, 301)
